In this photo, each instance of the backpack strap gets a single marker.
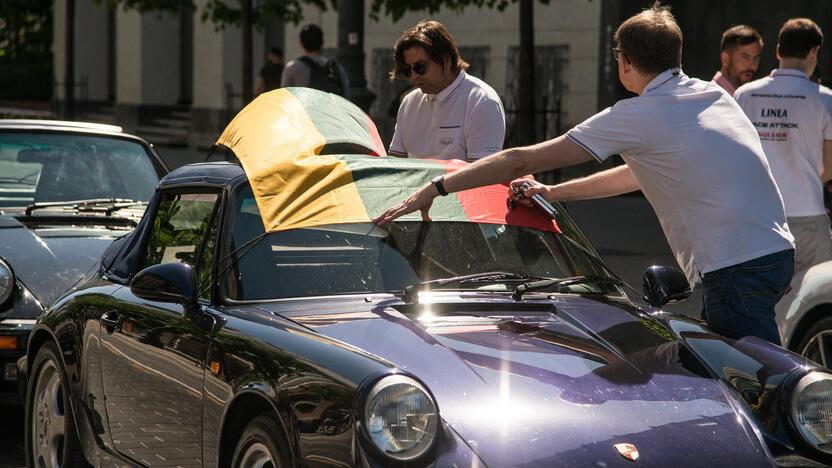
(309, 62)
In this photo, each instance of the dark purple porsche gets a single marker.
(206, 338)
(205, 341)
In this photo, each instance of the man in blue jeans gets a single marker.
(696, 157)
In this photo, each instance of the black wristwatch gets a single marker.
(438, 182)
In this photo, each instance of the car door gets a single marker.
(153, 353)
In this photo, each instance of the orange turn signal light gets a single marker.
(8, 342)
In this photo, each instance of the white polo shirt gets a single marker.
(699, 162)
(793, 116)
(463, 121)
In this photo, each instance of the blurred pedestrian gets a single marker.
(696, 157)
(793, 117)
(313, 70)
(450, 114)
(740, 51)
(271, 71)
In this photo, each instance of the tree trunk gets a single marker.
(351, 50)
(246, 25)
(526, 91)
(69, 63)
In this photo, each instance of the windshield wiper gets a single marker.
(85, 205)
(547, 283)
(484, 277)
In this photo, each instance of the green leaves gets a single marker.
(397, 8)
(227, 12)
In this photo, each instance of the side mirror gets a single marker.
(665, 285)
(167, 282)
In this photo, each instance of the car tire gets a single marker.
(51, 439)
(262, 444)
(816, 342)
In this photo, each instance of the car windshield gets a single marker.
(57, 167)
(363, 258)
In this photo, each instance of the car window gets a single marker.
(185, 230)
(49, 167)
(360, 257)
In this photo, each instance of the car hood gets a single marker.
(50, 261)
(555, 381)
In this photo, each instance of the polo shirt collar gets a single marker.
(662, 78)
(443, 95)
(789, 72)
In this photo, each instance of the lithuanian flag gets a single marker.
(314, 158)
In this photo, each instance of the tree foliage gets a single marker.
(395, 9)
(224, 13)
(25, 28)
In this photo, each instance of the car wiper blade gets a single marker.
(484, 277)
(118, 203)
(548, 283)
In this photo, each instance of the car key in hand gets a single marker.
(538, 200)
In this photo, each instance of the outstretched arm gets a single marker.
(607, 183)
(500, 167)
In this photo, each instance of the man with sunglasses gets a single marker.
(697, 158)
(450, 114)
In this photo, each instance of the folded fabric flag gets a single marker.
(314, 158)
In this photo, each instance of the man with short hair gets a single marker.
(450, 114)
(312, 69)
(793, 117)
(270, 74)
(698, 160)
(740, 51)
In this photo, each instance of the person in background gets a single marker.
(313, 70)
(450, 114)
(740, 51)
(270, 74)
(793, 117)
(696, 157)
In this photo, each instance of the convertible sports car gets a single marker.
(256, 317)
(67, 189)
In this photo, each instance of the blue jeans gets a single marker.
(739, 300)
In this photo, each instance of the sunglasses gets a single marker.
(419, 68)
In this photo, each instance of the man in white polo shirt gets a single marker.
(450, 114)
(696, 157)
(793, 117)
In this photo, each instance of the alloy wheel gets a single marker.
(819, 348)
(48, 423)
(257, 456)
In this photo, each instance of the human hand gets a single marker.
(421, 200)
(523, 197)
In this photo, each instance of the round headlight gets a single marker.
(812, 409)
(6, 282)
(401, 418)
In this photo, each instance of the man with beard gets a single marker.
(741, 48)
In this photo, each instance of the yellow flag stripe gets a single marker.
(278, 145)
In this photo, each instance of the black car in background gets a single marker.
(67, 189)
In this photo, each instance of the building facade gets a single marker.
(177, 80)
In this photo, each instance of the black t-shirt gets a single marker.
(271, 73)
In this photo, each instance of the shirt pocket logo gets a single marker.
(449, 140)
